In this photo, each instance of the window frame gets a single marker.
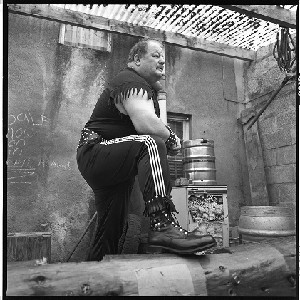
(175, 161)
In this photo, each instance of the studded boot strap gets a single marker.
(159, 203)
(162, 219)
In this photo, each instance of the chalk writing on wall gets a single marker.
(22, 128)
(23, 135)
(24, 171)
(20, 171)
(65, 166)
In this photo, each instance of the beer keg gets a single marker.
(262, 222)
(199, 161)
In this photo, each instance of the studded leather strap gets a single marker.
(88, 136)
(171, 139)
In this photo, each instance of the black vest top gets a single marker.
(106, 119)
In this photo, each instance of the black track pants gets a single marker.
(110, 168)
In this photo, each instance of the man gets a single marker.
(124, 138)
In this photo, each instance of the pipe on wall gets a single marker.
(162, 100)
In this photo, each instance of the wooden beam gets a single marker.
(261, 269)
(28, 245)
(271, 13)
(57, 14)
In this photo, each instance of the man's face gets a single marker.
(152, 63)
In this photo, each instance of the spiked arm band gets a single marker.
(171, 139)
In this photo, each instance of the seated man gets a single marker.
(124, 138)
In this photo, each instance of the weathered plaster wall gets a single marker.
(276, 126)
(206, 86)
(52, 91)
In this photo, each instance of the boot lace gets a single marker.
(167, 218)
(175, 223)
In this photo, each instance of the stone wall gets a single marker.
(276, 127)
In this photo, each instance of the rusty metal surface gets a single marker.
(211, 22)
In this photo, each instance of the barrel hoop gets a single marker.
(268, 215)
(198, 143)
(265, 212)
(187, 160)
(199, 170)
(196, 181)
(266, 232)
(198, 146)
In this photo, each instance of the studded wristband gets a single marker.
(171, 139)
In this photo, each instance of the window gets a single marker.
(180, 124)
(85, 38)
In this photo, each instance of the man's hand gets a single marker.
(175, 149)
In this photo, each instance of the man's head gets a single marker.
(147, 58)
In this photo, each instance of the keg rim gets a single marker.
(264, 232)
(197, 142)
(247, 207)
(194, 170)
(203, 182)
(199, 159)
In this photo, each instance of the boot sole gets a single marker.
(199, 249)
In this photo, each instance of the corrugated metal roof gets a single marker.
(210, 22)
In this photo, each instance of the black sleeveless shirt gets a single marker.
(106, 119)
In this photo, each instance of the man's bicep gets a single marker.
(142, 114)
(138, 104)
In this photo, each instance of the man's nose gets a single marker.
(162, 60)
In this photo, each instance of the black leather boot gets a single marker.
(168, 234)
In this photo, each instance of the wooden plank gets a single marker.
(24, 246)
(256, 167)
(271, 13)
(259, 269)
(100, 23)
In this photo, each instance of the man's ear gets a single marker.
(136, 59)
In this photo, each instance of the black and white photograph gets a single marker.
(150, 150)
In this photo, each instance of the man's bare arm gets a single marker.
(141, 111)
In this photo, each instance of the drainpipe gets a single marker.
(162, 100)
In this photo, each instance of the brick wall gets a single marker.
(277, 130)
(276, 127)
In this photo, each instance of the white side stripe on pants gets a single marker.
(156, 169)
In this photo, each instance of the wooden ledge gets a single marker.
(264, 269)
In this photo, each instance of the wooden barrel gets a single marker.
(261, 222)
(199, 161)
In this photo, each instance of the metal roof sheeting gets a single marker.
(210, 22)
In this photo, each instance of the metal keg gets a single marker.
(261, 222)
(199, 161)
